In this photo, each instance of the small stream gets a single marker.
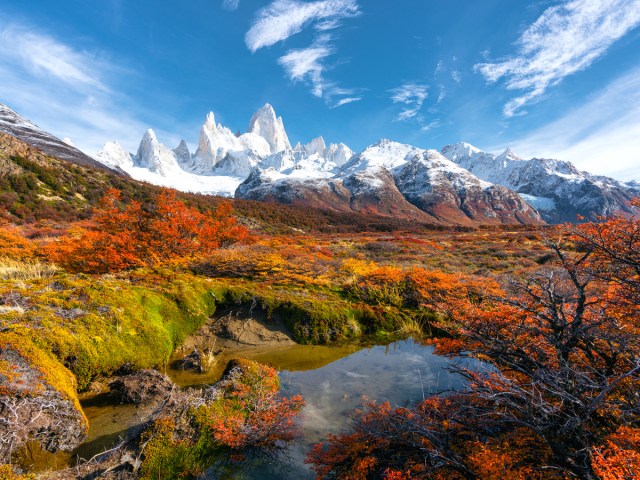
(334, 381)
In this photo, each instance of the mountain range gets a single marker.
(459, 184)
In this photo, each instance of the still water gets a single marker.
(334, 381)
(401, 373)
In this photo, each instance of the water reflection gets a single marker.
(334, 381)
(401, 373)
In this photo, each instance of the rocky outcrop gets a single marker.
(142, 386)
(37, 402)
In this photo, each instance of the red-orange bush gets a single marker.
(128, 236)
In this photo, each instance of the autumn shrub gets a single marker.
(133, 236)
(243, 417)
(15, 246)
(8, 472)
(557, 395)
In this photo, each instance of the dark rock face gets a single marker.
(31, 409)
(435, 186)
(143, 386)
(351, 194)
(426, 189)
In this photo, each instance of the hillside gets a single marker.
(35, 186)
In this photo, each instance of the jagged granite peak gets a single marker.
(115, 155)
(266, 124)
(154, 156)
(556, 188)
(316, 147)
(339, 154)
(214, 143)
(19, 127)
(210, 121)
(182, 153)
(509, 154)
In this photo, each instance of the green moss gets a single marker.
(314, 316)
(96, 326)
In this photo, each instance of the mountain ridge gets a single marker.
(459, 185)
(19, 127)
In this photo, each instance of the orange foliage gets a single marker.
(13, 245)
(131, 236)
(561, 350)
(251, 415)
(619, 457)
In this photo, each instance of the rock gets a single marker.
(142, 387)
(200, 361)
(31, 408)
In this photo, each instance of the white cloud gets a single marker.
(283, 18)
(66, 91)
(230, 5)
(431, 126)
(307, 64)
(565, 39)
(346, 101)
(600, 136)
(412, 97)
(45, 57)
(456, 76)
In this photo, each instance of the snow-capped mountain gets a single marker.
(222, 160)
(557, 189)
(460, 185)
(392, 179)
(13, 124)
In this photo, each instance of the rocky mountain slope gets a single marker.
(397, 180)
(557, 189)
(387, 179)
(13, 124)
(460, 185)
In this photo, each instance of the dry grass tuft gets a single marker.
(11, 269)
(414, 327)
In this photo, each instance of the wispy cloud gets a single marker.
(431, 125)
(308, 64)
(283, 18)
(600, 136)
(64, 90)
(346, 101)
(230, 5)
(565, 39)
(411, 96)
(45, 57)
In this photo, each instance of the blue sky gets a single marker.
(549, 78)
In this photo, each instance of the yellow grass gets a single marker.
(11, 269)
